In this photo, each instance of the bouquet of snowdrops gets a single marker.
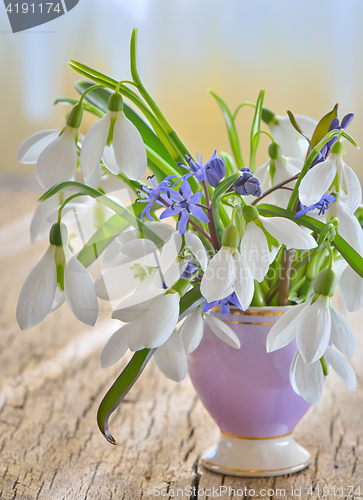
(194, 235)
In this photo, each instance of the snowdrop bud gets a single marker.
(337, 148)
(274, 151)
(250, 213)
(58, 235)
(231, 237)
(326, 283)
(115, 102)
(75, 116)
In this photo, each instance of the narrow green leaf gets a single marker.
(228, 161)
(322, 127)
(297, 126)
(135, 367)
(218, 193)
(231, 129)
(255, 130)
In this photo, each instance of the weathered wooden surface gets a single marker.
(51, 384)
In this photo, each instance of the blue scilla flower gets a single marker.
(153, 194)
(184, 204)
(322, 205)
(224, 304)
(247, 184)
(189, 271)
(335, 125)
(212, 171)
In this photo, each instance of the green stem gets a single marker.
(77, 195)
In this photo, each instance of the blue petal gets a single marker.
(183, 221)
(199, 213)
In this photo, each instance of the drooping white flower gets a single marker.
(226, 273)
(307, 380)
(292, 143)
(314, 325)
(54, 151)
(57, 275)
(320, 177)
(192, 330)
(116, 141)
(264, 236)
(223, 331)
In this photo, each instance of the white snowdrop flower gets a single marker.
(264, 236)
(116, 141)
(307, 380)
(292, 143)
(279, 168)
(57, 271)
(228, 272)
(314, 324)
(333, 171)
(54, 151)
(223, 331)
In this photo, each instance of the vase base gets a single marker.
(256, 457)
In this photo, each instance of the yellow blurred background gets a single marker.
(307, 55)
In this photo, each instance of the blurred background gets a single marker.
(307, 55)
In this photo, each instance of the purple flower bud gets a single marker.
(347, 120)
(215, 170)
(247, 184)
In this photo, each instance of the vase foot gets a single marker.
(261, 457)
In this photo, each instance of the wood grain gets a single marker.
(51, 384)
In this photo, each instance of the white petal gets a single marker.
(341, 366)
(261, 173)
(59, 299)
(316, 182)
(313, 330)
(293, 372)
(79, 290)
(93, 145)
(170, 251)
(291, 142)
(342, 335)
(116, 347)
(349, 227)
(308, 380)
(40, 226)
(284, 330)
(135, 335)
(129, 148)
(351, 290)
(285, 168)
(219, 276)
(171, 358)
(31, 148)
(160, 319)
(223, 331)
(255, 251)
(197, 248)
(288, 232)
(109, 160)
(58, 161)
(137, 249)
(117, 281)
(243, 285)
(173, 274)
(37, 294)
(136, 304)
(95, 179)
(354, 188)
(192, 330)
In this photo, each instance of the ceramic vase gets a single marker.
(248, 393)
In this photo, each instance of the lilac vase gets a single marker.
(248, 394)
